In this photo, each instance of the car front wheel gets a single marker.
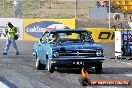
(98, 68)
(50, 67)
(39, 66)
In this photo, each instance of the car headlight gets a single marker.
(55, 54)
(99, 53)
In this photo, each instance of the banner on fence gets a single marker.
(34, 28)
(102, 34)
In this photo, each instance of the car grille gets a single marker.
(78, 53)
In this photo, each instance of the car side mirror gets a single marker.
(41, 40)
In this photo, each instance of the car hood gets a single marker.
(76, 46)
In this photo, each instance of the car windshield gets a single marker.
(70, 36)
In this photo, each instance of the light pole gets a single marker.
(109, 13)
(76, 8)
(3, 8)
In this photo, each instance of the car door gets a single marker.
(42, 49)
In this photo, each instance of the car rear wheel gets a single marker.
(50, 67)
(98, 68)
(40, 66)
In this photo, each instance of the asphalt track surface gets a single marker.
(20, 72)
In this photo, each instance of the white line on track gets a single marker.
(130, 75)
(127, 63)
(2, 85)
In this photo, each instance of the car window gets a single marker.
(85, 36)
(44, 38)
(70, 36)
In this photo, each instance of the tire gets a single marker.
(40, 66)
(98, 68)
(84, 81)
(50, 67)
(35, 56)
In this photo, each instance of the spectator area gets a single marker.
(124, 5)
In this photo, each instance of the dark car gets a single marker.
(68, 48)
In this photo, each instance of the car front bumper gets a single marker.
(76, 62)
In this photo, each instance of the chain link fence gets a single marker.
(53, 9)
(47, 8)
(28, 8)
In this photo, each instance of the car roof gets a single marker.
(68, 30)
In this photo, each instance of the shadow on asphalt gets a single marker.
(20, 56)
(113, 70)
(9, 84)
(108, 70)
(73, 71)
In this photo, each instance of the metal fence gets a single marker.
(52, 9)
(47, 8)
(27, 7)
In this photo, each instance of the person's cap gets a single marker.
(9, 23)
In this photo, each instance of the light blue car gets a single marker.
(68, 48)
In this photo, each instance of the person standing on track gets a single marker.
(11, 32)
